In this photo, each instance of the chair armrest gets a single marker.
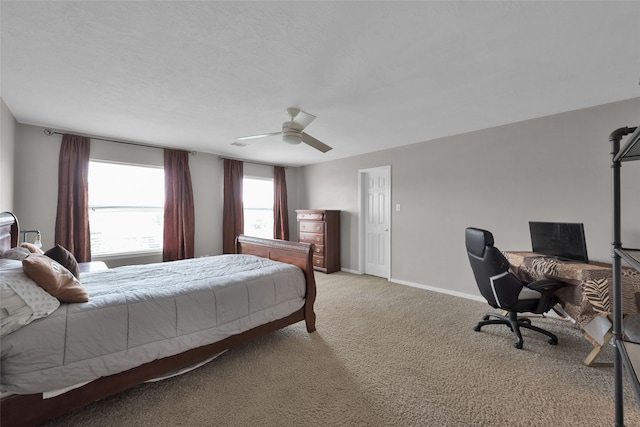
(546, 285)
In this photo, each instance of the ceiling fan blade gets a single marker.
(262, 135)
(302, 119)
(311, 141)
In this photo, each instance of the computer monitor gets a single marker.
(562, 240)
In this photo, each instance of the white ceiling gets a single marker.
(195, 75)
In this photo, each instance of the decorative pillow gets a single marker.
(16, 253)
(64, 257)
(22, 301)
(54, 278)
(32, 248)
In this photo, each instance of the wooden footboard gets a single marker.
(299, 254)
(32, 410)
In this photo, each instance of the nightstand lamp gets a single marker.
(37, 242)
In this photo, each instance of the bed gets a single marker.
(51, 371)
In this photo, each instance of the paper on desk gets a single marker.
(632, 327)
(633, 351)
(599, 326)
(597, 329)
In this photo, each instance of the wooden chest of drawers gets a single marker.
(322, 229)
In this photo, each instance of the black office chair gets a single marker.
(503, 290)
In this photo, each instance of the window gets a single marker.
(257, 198)
(126, 208)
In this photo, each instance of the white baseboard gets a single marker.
(426, 287)
(440, 290)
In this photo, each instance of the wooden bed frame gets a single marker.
(32, 409)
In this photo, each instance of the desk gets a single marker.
(587, 295)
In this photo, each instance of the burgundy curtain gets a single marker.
(179, 216)
(280, 212)
(72, 217)
(233, 211)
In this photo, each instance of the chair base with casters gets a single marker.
(514, 323)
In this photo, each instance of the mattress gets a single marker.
(137, 314)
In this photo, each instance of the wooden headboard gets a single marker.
(9, 230)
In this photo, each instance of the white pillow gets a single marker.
(16, 253)
(22, 301)
(10, 264)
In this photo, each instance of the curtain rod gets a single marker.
(250, 161)
(50, 132)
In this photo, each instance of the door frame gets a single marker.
(361, 212)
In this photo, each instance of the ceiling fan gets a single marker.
(292, 131)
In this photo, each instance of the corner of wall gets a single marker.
(7, 156)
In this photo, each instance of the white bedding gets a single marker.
(137, 314)
(21, 299)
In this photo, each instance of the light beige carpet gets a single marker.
(383, 355)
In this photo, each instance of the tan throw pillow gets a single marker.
(32, 248)
(54, 278)
(64, 257)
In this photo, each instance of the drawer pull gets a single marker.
(317, 239)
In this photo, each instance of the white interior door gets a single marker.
(376, 191)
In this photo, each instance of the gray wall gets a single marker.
(554, 168)
(7, 146)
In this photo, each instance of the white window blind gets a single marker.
(257, 199)
(126, 208)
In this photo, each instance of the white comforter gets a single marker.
(137, 314)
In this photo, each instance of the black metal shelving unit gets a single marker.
(627, 354)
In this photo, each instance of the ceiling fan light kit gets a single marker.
(289, 135)
(292, 131)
